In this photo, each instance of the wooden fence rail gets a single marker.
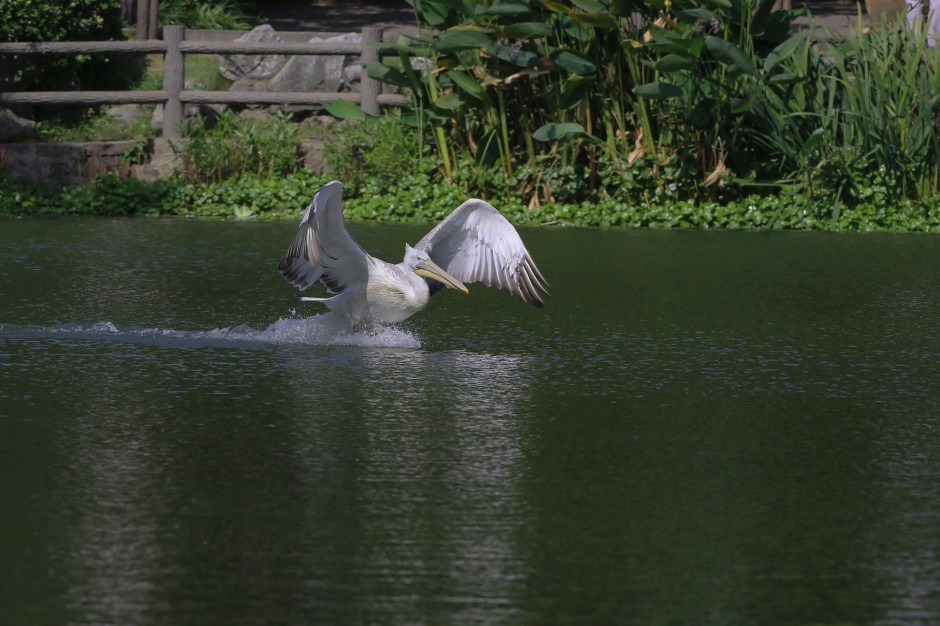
(173, 95)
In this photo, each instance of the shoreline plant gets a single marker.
(595, 112)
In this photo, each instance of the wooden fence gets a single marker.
(173, 96)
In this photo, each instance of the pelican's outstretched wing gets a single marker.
(323, 249)
(476, 243)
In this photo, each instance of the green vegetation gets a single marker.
(236, 147)
(720, 99)
(76, 20)
(716, 114)
(217, 15)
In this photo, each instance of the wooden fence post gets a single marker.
(153, 24)
(369, 87)
(173, 76)
(143, 20)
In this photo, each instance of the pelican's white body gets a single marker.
(391, 294)
(474, 243)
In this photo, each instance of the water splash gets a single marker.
(319, 330)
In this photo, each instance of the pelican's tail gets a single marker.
(338, 304)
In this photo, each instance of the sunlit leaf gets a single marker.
(594, 20)
(467, 83)
(674, 63)
(449, 102)
(554, 7)
(731, 55)
(784, 51)
(346, 110)
(385, 74)
(574, 62)
(660, 90)
(507, 8)
(523, 30)
(592, 6)
(567, 131)
(516, 56)
(463, 39)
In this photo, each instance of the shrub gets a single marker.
(238, 146)
(218, 15)
(76, 20)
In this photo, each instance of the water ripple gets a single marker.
(319, 330)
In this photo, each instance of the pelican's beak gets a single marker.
(430, 269)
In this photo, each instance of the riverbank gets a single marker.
(416, 198)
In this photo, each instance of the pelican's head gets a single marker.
(421, 264)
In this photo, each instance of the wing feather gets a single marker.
(323, 249)
(476, 243)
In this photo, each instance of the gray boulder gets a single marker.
(15, 128)
(329, 73)
(252, 66)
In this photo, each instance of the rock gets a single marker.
(330, 73)
(210, 113)
(127, 113)
(253, 66)
(15, 128)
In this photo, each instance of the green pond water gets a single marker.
(700, 428)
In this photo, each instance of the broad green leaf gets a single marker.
(412, 50)
(522, 58)
(672, 43)
(346, 110)
(595, 20)
(784, 78)
(523, 30)
(658, 90)
(385, 74)
(740, 105)
(449, 102)
(567, 131)
(591, 6)
(813, 140)
(467, 83)
(674, 63)
(574, 62)
(463, 39)
(434, 13)
(572, 93)
(698, 14)
(784, 51)
(729, 54)
(488, 148)
(507, 8)
(575, 30)
(554, 7)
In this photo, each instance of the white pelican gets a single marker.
(475, 243)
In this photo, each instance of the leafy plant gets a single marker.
(237, 146)
(218, 15)
(76, 20)
(381, 148)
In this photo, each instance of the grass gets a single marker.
(94, 124)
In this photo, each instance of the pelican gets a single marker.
(475, 243)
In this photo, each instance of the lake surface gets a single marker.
(700, 428)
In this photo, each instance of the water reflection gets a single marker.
(113, 557)
(433, 473)
(724, 429)
(906, 473)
